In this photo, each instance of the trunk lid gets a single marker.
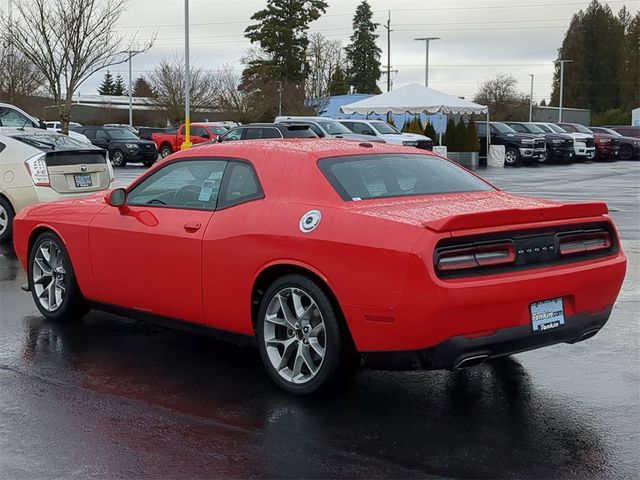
(462, 211)
(78, 171)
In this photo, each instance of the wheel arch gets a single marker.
(270, 273)
(39, 230)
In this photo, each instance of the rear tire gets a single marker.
(6, 220)
(303, 345)
(626, 152)
(165, 151)
(118, 160)
(511, 157)
(52, 280)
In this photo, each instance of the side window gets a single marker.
(362, 129)
(192, 184)
(11, 118)
(349, 125)
(481, 128)
(181, 131)
(252, 134)
(199, 132)
(316, 130)
(240, 185)
(235, 134)
(101, 135)
(90, 133)
(271, 133)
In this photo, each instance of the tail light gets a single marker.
(476, 256)
(584, 242)
(37, 168)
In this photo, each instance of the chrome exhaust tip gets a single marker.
(472, 361)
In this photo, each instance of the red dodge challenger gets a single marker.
(330, 253)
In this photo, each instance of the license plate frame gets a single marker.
(547, 315)
(83, 180)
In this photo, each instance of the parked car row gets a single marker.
(544, 141)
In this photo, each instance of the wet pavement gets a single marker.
(111, 397)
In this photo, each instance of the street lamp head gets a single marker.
(563, 61)
(426, 39)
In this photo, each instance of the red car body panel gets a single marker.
(175, 140)
(376, 256)
(607, 146)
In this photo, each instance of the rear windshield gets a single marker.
(363, 177)
(53, 141)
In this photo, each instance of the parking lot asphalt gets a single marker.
(110, 397)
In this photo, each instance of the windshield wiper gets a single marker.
(155, 200)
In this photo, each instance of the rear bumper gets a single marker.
(460, 351)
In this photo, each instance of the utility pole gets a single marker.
(531, 99)
(388, 27)
(561, 62)
(426, 41)
(130, 94)
(187, 81)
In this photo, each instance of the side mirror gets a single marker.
(116, 198)
(205, 135)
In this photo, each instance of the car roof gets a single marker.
(312, 148)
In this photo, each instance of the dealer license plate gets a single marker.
(82, 180)
(547, 314)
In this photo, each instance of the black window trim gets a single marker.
(344, 195)
(223, 184)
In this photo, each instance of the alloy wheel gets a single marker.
(510, 157)
(49, 276)
(165, 152)
(294, 335)
(118, 159)
(4, 219)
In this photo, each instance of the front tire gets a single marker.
(626, 153)
(118, 160)
(52, 280)
(301, 342)
(6, 220)
(511, 157)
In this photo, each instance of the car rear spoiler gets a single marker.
(517, 216)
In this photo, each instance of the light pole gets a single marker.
(531, 99)
(426, 41)
(187, 81)
(561, 62)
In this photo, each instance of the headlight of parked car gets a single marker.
(605, 140)
(409, 143)
(527, 141)
(557, 141)
(131, 146)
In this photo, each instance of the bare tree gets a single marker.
(323, 56)
(168, 81)
(503, 99)
(235, 103)
(18, 76)
(67, 41)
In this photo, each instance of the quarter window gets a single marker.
(241, 185)
(233, 135)
(191, 184)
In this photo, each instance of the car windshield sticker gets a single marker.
(207, 190)
(310, 221)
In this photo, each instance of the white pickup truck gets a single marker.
(388, 133)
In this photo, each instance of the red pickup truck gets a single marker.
(200, 132)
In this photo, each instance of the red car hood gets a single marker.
(459, 211)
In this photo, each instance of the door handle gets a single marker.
(192, 227)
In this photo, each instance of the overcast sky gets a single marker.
(479, 37)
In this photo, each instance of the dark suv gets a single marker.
(256, 131)
(629, 146)
(518, 147)
(123, 146)
(559, 145)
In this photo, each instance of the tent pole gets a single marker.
(488, 136)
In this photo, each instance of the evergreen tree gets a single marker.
(430, 132)
(449, 138)
(363, 54)
(119, 88)
(472, 143)
(629, 71)
(142, 88)
(594, 41)
(281, 32)
(106, 87)
(338, 84)
(461, 136)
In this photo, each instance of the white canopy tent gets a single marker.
(416, 99)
